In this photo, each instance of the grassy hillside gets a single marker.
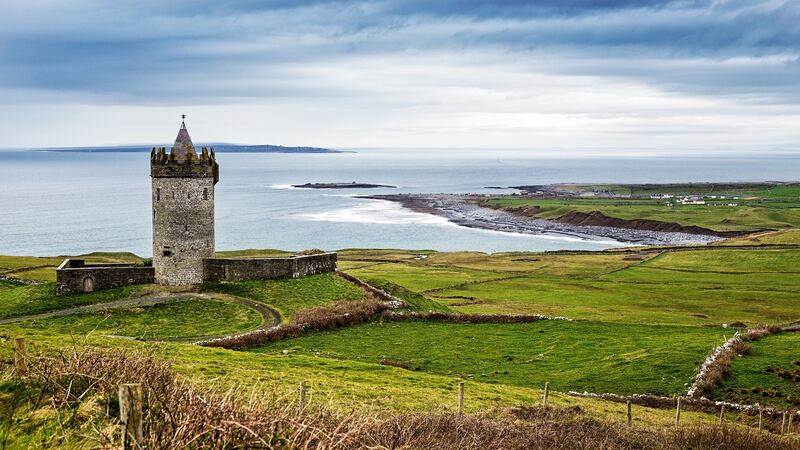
(592, 356)
(20, 300)
(644, 320)
(183, 319)
(782, 237)
(748, 216)
(773, 192)
(700, 287)
(770, 375)
(757, 207)
(333, 385)
(288, 296)
(345, 383)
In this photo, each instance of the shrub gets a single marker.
(757, 333)
(450, 317)
(311, 251)
(338, 314)
(396, 363)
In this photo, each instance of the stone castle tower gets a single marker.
(183, 210)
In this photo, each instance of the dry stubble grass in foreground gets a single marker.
(80, 386)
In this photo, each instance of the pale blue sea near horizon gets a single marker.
(70, 203)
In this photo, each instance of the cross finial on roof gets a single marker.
(183, 143)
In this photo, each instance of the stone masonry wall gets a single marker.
(74, 276)
(314, 264)
(183, 228)
(223, 269)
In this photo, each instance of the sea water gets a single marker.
(70, 203)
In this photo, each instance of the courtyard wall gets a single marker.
(241, 269)
(75, 276)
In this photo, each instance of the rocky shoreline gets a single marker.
(465, 211)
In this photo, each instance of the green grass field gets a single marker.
(782, 237)
(592, 356)
(423, 278)
(645, 319)
(760, 191)
(698, 289)
(183, 319)
(770, 375)
(341, 383)
(702, 287)
(291, 295)
(20, 300)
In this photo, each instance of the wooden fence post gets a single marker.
(130, 414)
(721, 414)
(20, 357)
(546, 394)
(629, 415)
(760, 418)
(461, 398)
(783, 422)
(678, 412)
(302, 397)
(789, 426)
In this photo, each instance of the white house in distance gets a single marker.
(692, 200)
(661, 196)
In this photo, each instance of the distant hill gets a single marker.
(218, 148)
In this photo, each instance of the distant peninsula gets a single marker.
(218, 148)
(352, 185)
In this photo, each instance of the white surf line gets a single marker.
(377, 212)
(387, 212)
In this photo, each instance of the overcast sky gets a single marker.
(631, 74)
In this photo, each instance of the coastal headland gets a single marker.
(647, 214)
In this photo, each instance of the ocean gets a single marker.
(70, 203)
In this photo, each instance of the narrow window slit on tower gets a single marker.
(158, 194)
(205, 194)
(166, 250)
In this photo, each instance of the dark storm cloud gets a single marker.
(144, 51)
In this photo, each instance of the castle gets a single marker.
(183, 210)
(183, 233)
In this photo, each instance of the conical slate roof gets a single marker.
(183, 144)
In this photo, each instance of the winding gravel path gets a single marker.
(271, 316)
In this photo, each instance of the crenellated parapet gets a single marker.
(188, 165)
